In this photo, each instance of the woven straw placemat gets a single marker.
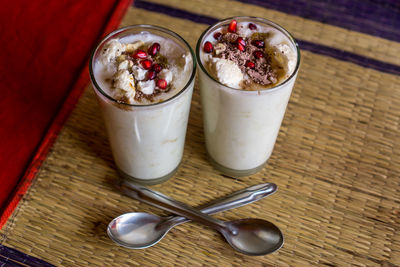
(336, 163)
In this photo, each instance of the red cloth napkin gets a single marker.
(45, 46)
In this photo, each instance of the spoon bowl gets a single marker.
(253, 237)
(137, 230)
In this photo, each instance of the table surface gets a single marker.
(336, 162)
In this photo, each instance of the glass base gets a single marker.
(147, 181)
(233, 172)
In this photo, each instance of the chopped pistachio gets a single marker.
(219, 48)
(260, 36)
(162, 60)
(121, 58)
(132, 47)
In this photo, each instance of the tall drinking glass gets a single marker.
(241, 126)
(147, 140)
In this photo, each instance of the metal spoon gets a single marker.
(138, 230)
(248, 236)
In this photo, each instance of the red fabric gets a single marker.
(45, 46)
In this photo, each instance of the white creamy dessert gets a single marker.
(248, 72)
(144, 83)
(126, 68)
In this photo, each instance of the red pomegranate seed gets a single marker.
(241, 41)
(162, 84)
(208, 47)
(258, 43)
(157, 67)
(153, 49)
(140, 54)
(252, 26)
(217, 35)
(240, 47)
(250, 65)
(258, 54)
(146, 64)
(232, 26)
(151, 74)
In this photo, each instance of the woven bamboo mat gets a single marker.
(336, 163)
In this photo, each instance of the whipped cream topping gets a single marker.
(142, 69)
(249, 56)
(226, 71)
(112, 50)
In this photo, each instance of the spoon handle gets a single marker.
(236, 199)
(166, 203)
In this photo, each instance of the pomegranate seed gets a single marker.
(258, 54)
(250, 65)
(240, 47)
(140, 54)
(217, 35)
(241, 41)
(153, 49)
(252, 26)
(162, 84)
(146, 64)
(232, 26)
(208, 47)
(151, 74)
(157, 67)
(258, 43)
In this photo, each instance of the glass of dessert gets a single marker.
(143, 77)
(248, 67)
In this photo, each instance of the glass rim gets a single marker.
(138, 26)
(252, 18)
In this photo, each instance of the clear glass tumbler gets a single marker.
(241, 126)
(147, 141)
